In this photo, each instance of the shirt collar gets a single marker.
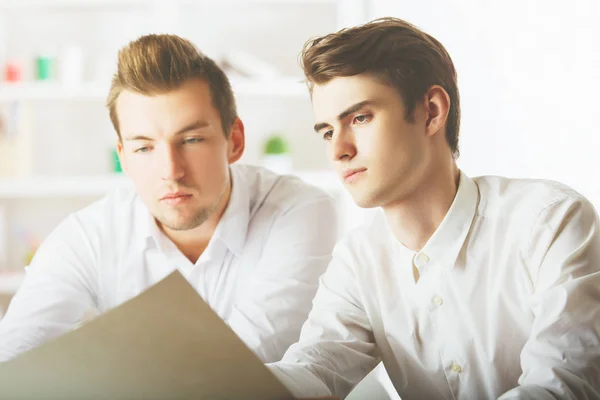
(149, 233)
(231, 229)
(233, 226)
(448, 239)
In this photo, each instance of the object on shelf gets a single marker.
(31, 242)
(44, 67)
(276, 156)
(15, 141)
(13, 72)
(116, 161)
(3, 124)
(70, 66)
(3, 238)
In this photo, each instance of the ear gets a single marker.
(437, 106)
(121, 154)
(236, 142)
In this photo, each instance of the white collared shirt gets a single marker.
(259, 272)
(507, 304)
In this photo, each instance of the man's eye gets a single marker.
(327, 135)
(361, 119)
(142, 150)
(194, 140)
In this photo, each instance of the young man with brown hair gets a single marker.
(252, 243)
(465, 288)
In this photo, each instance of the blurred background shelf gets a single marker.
(91, 186)
(27, 5)
(99, 185)
(24, 91)
(243, 87)
(37, 4)
(56, 139)
(11, 281)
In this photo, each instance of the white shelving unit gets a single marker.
(73, 119)
(10, 282)
(243, 87)
(40, 188)
(47, 4)
(25, 4)
(27, 91)
(97, 186)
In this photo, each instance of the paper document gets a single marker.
(166, 343)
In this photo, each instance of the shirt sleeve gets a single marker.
(278, 292)
(561, 359)
(337, 348)
(58, 289)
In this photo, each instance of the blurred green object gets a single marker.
(116, 163)
(44, 68)
(276, 144)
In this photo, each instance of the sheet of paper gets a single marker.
(166, 343)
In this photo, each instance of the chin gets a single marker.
(365, 201)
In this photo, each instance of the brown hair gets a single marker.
(394, 52)
(155, 64)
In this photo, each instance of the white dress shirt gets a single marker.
(259, 272)
(507, 304)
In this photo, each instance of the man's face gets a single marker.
(174, 149)
(378, 154)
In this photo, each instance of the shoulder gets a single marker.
(526, 198)
(109, 216)
(534, 213)
(94, 230)
(117, 204)
(267, 189)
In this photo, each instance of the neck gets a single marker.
(193, 242)
(414, 219)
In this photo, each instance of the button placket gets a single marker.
(456, 368)
(420, 260)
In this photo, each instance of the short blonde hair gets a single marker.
(156, 64)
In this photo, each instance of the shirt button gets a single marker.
(437, 300)
(422, 259)
(456, 368)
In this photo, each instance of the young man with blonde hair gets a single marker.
(465, 288)
(252, 243)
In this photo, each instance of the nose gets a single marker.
(171, 164)
(343, 146)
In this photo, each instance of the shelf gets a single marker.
(92, 186)
(27, 4)
(45, 4)
(10, 282)
(52, 91)
(279, 87)
(97, 186)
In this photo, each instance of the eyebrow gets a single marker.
(350, 110)
(191, 127)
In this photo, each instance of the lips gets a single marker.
(170, 196)
(349, 172)
(175, 198)
(352, 174)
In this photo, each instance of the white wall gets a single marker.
(529, 78)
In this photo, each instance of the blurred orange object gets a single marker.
(13, 72)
